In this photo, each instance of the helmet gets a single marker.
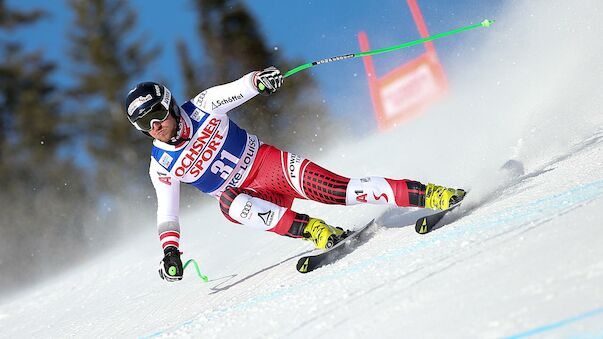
(148, 102)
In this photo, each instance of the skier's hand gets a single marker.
(268, 80)
(170, 268)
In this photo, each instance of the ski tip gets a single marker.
(513, 168)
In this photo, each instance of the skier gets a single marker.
(255, 183)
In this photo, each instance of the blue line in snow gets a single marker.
(557, 325)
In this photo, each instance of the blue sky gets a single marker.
(306, 30)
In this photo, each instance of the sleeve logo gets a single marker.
(165, 160)
(164, 178)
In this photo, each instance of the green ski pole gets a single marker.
(203, 277)
(485, 23)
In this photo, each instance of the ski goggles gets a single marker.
(145, 122)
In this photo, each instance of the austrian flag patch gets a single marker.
(166, 160)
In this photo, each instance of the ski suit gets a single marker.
(255, 183)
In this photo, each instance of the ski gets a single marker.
(427, 223)
(309, 263)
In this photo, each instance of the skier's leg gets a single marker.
(266, 211)
(292, 175)
(320, 184)
(289, 174)
(380, 191)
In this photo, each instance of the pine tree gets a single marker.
(43, 202)
(107, 60)
(235, 46)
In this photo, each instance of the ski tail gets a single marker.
(428, 223)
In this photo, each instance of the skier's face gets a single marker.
(164, 130)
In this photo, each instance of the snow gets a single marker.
(525, 260)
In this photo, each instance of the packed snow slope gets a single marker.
(524, 259)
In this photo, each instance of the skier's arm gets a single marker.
(168, 205)
(223, 98)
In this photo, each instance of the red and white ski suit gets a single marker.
(255, 183)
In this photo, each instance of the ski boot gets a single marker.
(440, 197)
(324, 236)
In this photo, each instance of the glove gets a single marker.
(268, 80)
(170, 268)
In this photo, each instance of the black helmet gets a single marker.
(148, 102)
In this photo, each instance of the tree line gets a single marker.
(74, 171)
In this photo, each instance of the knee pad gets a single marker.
(255, 212)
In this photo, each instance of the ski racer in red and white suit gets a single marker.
(254, 182)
